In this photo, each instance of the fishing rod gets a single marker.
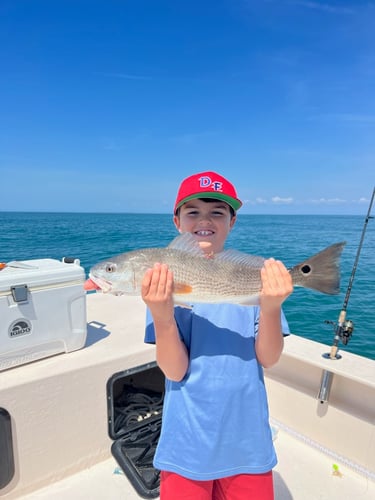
(344, 328)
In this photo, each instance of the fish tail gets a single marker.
(320, 272)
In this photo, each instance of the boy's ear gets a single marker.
(233, 220)
(176, 221)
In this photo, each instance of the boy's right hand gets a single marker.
(156, 291)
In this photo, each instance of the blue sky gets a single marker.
(107, 105)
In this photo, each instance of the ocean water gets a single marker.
(92, 237)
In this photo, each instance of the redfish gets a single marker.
(228, 276)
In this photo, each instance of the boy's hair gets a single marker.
(208, 200)
(207, 185)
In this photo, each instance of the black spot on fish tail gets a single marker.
(306, 269)
(320, 272)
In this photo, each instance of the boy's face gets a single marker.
(208, 222)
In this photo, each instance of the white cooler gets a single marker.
(42, 310)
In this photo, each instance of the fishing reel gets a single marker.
(343, 328)
(344, 331)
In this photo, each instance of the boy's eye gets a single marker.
(214, 213)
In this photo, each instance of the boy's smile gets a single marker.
(201, 232)
(209, 221)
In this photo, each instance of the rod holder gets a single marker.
(325, 386)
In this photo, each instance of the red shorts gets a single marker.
(240, 487)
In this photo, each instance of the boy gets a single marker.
(216, 441)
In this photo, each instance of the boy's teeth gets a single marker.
(204, 233)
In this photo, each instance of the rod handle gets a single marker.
(333, 352)
(342, 317)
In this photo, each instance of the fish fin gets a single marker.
(321, 271)
(237, 257)
(187, 243)
(182, 288)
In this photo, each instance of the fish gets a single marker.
(229, 276)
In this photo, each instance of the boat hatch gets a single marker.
(135, 404)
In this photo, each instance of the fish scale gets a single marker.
(229, 276)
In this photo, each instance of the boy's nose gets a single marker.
(205, 216)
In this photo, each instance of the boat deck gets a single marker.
(303, 472)
(60, 423)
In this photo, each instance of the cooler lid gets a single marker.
(40, 272)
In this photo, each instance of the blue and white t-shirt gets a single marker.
(215, 421)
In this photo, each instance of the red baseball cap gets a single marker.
(207, 185)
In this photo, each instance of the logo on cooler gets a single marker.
(19, 327)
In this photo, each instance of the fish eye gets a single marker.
(110, 268)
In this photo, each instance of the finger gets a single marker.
(155, 276)
(268, 272)
(146, 282)
(282, 275)
(162, 278)
(166, 281)
(147, 278)
(169, 283)
(275, 276)
(276, 268)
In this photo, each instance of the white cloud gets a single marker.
(324, 201)
(278, 199)
(260, 200)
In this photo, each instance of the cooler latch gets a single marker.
(19, 293)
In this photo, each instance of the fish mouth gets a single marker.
(100, 283)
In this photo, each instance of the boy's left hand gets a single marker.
(277, 284)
